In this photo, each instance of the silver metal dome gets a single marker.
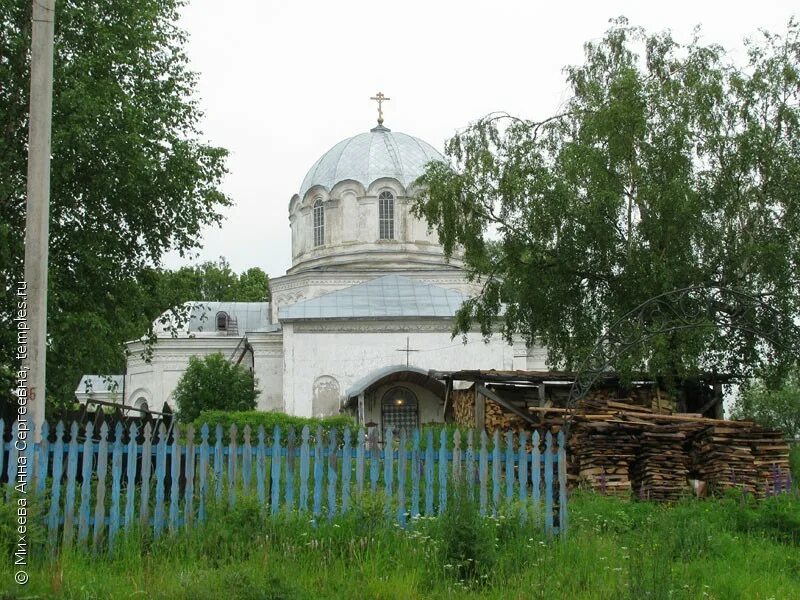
(370, 156)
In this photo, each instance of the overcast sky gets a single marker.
(280, 82)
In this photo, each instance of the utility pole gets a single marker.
(37, 216)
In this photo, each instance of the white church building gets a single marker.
(362, 315)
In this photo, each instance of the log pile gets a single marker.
(618, 446)
(602, 455)
(464, 407)
(660, 471)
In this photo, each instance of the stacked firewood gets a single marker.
(722, 457)
(498, 418)
(464, 407)
(660, 471)
(771, 453)
(602, 455)
(644, 399)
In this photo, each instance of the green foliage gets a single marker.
(669, 167)
(268, 420)
(214, 383)
(467, 542)
(130, 180)
(774, 408)
(794, 461)
(209, 281)
(694, 549)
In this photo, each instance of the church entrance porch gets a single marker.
(400, 397)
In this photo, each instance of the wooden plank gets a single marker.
(510, 407)
(100, 505)
(480, 409)
(84, 512)
(233, 460)
(247, 459)
(189, 474)
(144, 486)
(55, 492)
(548, 483)
(72, 468)
(347, 465)
(175, 476)
(116, 487)
(218, 458)
(291, 463)
(261, 465)
(44, 457)
(401, 477)
(536, 476)
(429, 459)
(374, 459)
(388, 468)
(562, 484)
(483, 473)
(522, 470)
(509, 466)
(457, 462)
(275, 471)
(161, 475)
(469, 465)
(416, 466)
(202, 476)
(360, 461)
(332, 475)
(304, 468)
(443, 468)
(11, 473)
(319, 444)
(3, 445)
(496, 464)
(131, 452)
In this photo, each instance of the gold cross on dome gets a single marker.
(380, 98)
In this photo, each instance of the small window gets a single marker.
(319, 223)
(222, 321)
(386, 215)
(399, 409)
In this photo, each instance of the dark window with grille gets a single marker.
(222, 321)
(319, 223)
(399, 409)
(386, 215)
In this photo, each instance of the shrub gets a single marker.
(214, 383)
(268, 420)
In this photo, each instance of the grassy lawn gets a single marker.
(726, 548)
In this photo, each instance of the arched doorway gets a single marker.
(399, 409)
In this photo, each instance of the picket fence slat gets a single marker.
(130, 491)
(347, 461)
(548, 483)
(305, 455)
(189, 473)
(415, 474)
(275, 471)
(100, 505)
(429, 474)
(12, 460)
(116, 485)
(55, 494)
(318, 471)
(44, 457)
(144, 500)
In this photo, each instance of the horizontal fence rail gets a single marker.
(96, 484)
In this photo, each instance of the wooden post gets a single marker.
(480, 409)
(361, 412)
(719, 410)
(542, 396)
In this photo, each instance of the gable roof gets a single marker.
(384, 297)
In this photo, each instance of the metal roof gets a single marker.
(384, 297)
(394, 373)
(370, 156)
(100, 384)
(249, 316)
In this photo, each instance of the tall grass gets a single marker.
(726, 548)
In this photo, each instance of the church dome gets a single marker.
(369, 156)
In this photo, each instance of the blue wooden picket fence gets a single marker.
(98, 487)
